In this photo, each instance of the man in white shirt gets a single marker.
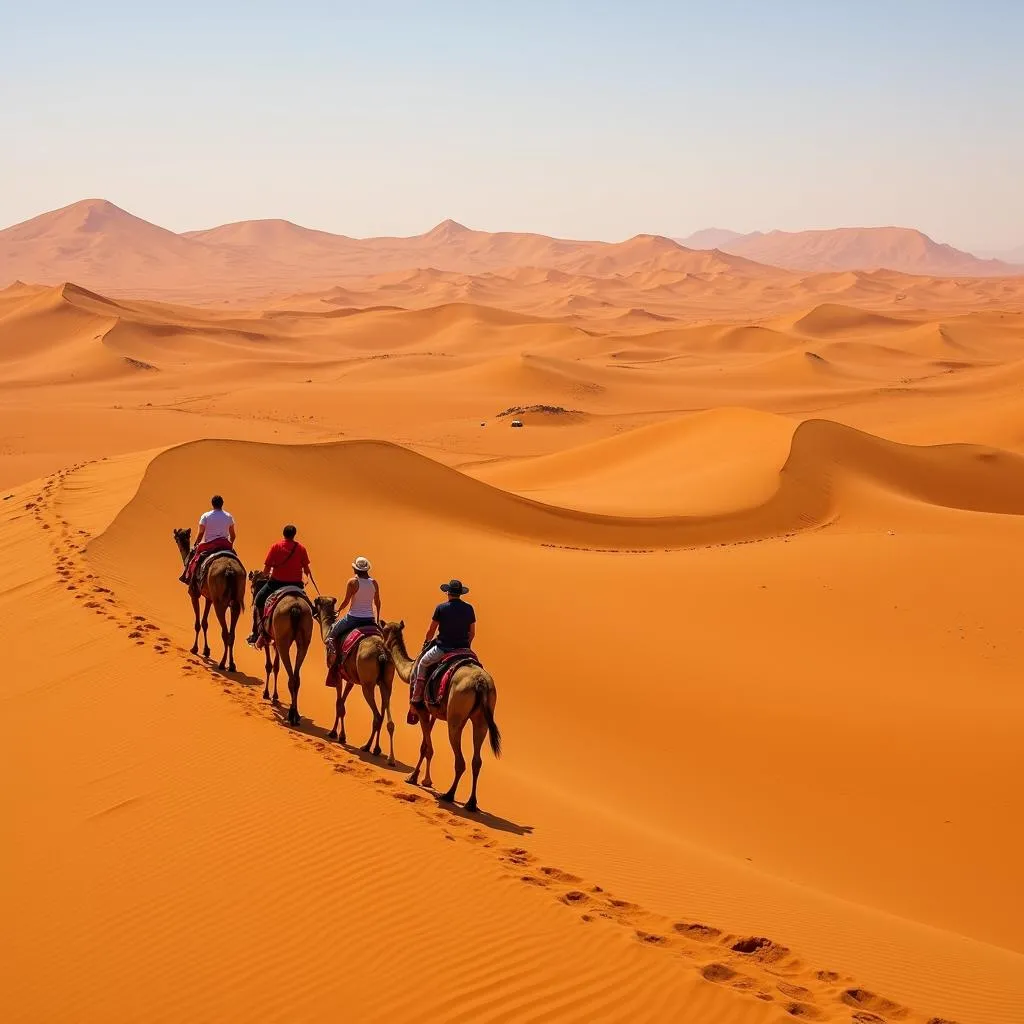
(216, 533)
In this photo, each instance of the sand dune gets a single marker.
(746, 579)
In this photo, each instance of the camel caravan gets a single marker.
(446, 680)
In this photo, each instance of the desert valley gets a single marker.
(747, 574)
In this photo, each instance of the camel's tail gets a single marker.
(382, 667)
(231, 576)
(295, 614)
(493, 732)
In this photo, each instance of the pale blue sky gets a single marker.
(595, 120)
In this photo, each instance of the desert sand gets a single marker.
(747, 581)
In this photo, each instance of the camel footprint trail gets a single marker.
(753, 967)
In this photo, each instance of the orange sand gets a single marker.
(747, 583)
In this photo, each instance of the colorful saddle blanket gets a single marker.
(349, 642)
(201, 559)
(293, 590)
(441, 674)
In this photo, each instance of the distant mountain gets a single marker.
(102, 247)
(1015, 256)
(97, 244)
(891, 248)
(714, 238)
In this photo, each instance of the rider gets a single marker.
(454, 623)
(286, 563)
(363, 592)
(216, 533)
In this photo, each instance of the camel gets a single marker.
(471, 697)
(292, 623)
(224, 588)
(370, 664)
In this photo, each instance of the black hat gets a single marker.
(454, 588)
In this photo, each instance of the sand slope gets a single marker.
(747, 582)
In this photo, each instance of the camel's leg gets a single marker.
(222, 619)
(426, 751)
(293, 685)
(235, 612)
(428, 728)
(455, 727)
(479, 735)
(339, 713)
(378, 720)
(302, 646)
(194, 598)
(269, 668)
(385, 700)
(206, 623)
(338, 731)
(277, 669)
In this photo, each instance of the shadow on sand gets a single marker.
(482, 818)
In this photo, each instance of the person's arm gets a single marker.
(472, 633)
(267, 567)
(376, 598)
(350, 591)
(231, 532)
(430, 632)
(201, 532)
(306, 567)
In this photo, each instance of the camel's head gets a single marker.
(326, 610)
(393, 632)
(257, 577)
(183, 538)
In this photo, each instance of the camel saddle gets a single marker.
(350, 641)
(292, 590)
(200, 562)
(436, 688)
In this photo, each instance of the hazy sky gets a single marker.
(582, 119)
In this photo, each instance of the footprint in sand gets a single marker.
(575, 898)
(517, 856)
(762, 950)
(698, 932)
(862, 999)
(804, 1011)
(561, 876)
(723, 974)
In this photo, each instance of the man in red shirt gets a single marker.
(287, 562)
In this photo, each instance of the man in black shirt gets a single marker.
(454, 624)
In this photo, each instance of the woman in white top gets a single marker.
(363, 594)
(216, 533)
